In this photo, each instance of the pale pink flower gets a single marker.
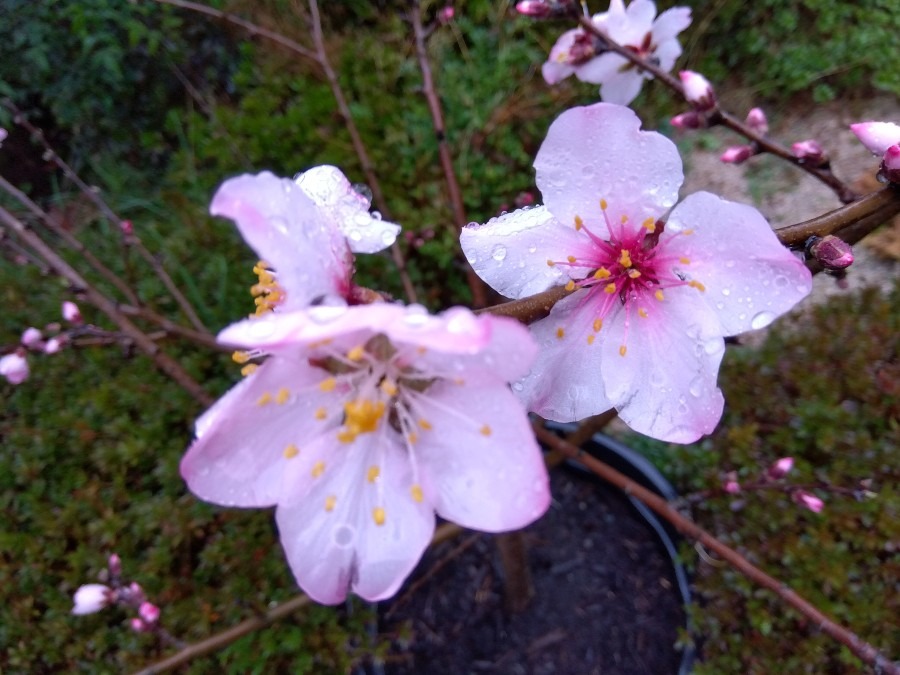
(306, 229)
(808, 501)
(31, 337)
(781, 468)
(362, 423)
(91, 598)
(877, 136)
(138, 625)
(737, 154)
(53, 345)
(697, 90)
(70, 312)
(536, 8)
(633, 28)
(732, 487)
(14, 367)
(643, 328)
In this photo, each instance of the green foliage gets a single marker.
(822, 389)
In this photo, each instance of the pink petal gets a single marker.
(750, 278)
(288, 231)
(601, 68)
(348, 210)
(484, 468)
(557, 66)
(555, 72)
(511, 252)
(877, 136)
(670, 23)
(564, 383)
(331, 552)
(665, 385)
(622, 88)
(598, 152)
(14, 368)
(241, 452)
(667, 53)
(640, 17)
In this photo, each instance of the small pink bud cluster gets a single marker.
(831, 252)
(418, 239)
(882, 138)
(781, 468)
(688, 120)
(731, 484)
(14, 366)
(126, 227)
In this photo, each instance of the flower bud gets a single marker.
(31, 337)
(446, 13)
(890, 165)
(149, 612)
(115, 565)
(539, 9)
(832, 253)
(808, 501)
(877, 136)
(138, 625)
(3, 135)
(697, 90)
(136, 592)
(731, 485)
(737, 154)
(127, 227)
(810, 151)
(70, 312)
(91, 598)
(756, 120)
(14, 368)
(688, 120)
(781, 468)
(53, 345)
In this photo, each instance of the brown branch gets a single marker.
(866, 652)
(163, 361)
(476, 285)
(719, 116)
(170, 327)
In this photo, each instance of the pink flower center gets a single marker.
(631, 268)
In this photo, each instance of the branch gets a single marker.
(866, 652)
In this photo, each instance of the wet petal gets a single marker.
(670, 23)
(599, 69)
(622, 88)
(557, 66)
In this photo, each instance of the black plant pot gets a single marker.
(610, 590)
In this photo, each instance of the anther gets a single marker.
(425, 424)
(642, 312)
(602, 273)
(357, 353)
(571, 258)
(625, 258)
(560, 333)
(609, 289)
(330, 502)
(598, 324)
(321, 413)
(590, 339)
(318, 469)
(659, 295)
(570, 286)
(485, 430)
(388, 387)
(550, 263)
(622, 350)
(291, 451)
(579, 223)
(264, 399)
(684, 261)
(378, 515)
(649, 225)
(603, 204)
(373, 473)
(240, 357)
(416, 492)
(282, 396)
(249, 369)
(328, 384)
(696, 284)
(634, 274)
(412, 437)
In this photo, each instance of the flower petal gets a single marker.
(877, 136)
(329, 534)
(599, 152)
(670, 23)
(667, 53)
(558, 67)
(622, 88)
(749, 276)
(483, 466)
(564, 383)
(288, 231)
(349, 210)
(510, 252)
(665, 384)
(601, 68)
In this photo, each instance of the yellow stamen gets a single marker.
(249, 369)
(560, 333)
(361, 417)
(696, 284)
(649, 225)
(570, 286)
(550, 263)
(388, 387)
(684, 261)
(622, 350)
(603, 204)
(378, 515)
(642, 313)
(321, 413)
(624, 219)
(416, 492)
(264, 399)
(318, 469)
(412, 437)
(590, 339)
(610, 289)
(459, 381)
(602, 273)
(240, 357)
(425, 424)
(571, 258)
(598, 324)
(373, 473)
(687, 232)
(291, 451)
(625, 258)
(485, 430)
(328, 384)
(421, 350)
(659, 295)
(634, 274)
(330, 502)
(357, 353)
(579, 223)
(282, 396)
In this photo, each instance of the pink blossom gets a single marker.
(306, 229)
(890, 165)
(697, 90)
(114, 564)
(149, 612)
(70, 312)
(737, 154)
(643, 328)
(877, 136)
(14, 367)
(53, 345)
(31, 337)
(446, 14)
(361, 424)
(756, 120)
(732, 487)
(633, 28)
(781, 468)
(138, 625)
(91, 598)
(809, 501)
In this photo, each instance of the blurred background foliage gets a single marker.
(157, 106)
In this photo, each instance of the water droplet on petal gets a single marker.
(518, 386)
(388, 237)
(762, 319)
(714, 346)
(781, 281)
(279, 224)
(326, 313)
(416, 316)
(696, 387)
(261, 328)
(376, 215)
(499, 252)
(343, 536)
(657, 379)
(354, 235)
(726, 292)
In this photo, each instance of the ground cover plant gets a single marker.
(92, 439)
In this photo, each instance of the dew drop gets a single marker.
(657, 379)
(416, 317)
(499, 252)
(713, 346)
(343, 536)
(355, 235)
(326, 313)
(532, 248)
(518, 386)
(388, 237)
(781, 281)
(376, 215)
(279, 224)
(726, 292)
(696, 387)
(762, 319)
(261, 328)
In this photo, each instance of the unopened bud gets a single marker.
(139, 625)
(808, 501)
(14, 368)
(446, 13)
(832, 253)
(737, 154)
(149, 612)
(697, 90)
(781, 468)
(877, 136)
(524, 199)
(127, 227)
(536, 8)
(810, 151)
(91, 598)
(731, 485)
(688, 120)
(136, 593)
(115, 565)
(3, 135)
(70, 312)
(890, 165)
(756, 120)
(53, 345)
(31, 337)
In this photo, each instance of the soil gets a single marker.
(606, 599)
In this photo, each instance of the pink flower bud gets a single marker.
(877, 136)
(536, 8)
(808, 501)
(31, 337)
(127, 227)
(3, 135)
(149, 612)
(697, 90)
(756, 120)
(14, 368)
(781, 468)
(737, 154)
(831, 252)
(524, 199)
(446, 13)
(810, 151)
(53, 345)
(91, 598)
(890, 165)
(115, 565)
(731, 485)
(70, 312)
(688, 120)
(138, 625)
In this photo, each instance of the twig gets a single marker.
(163, 361)
(170, 327)
(476, 285)
(723, 117)
(109, 214)
(866, 652)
